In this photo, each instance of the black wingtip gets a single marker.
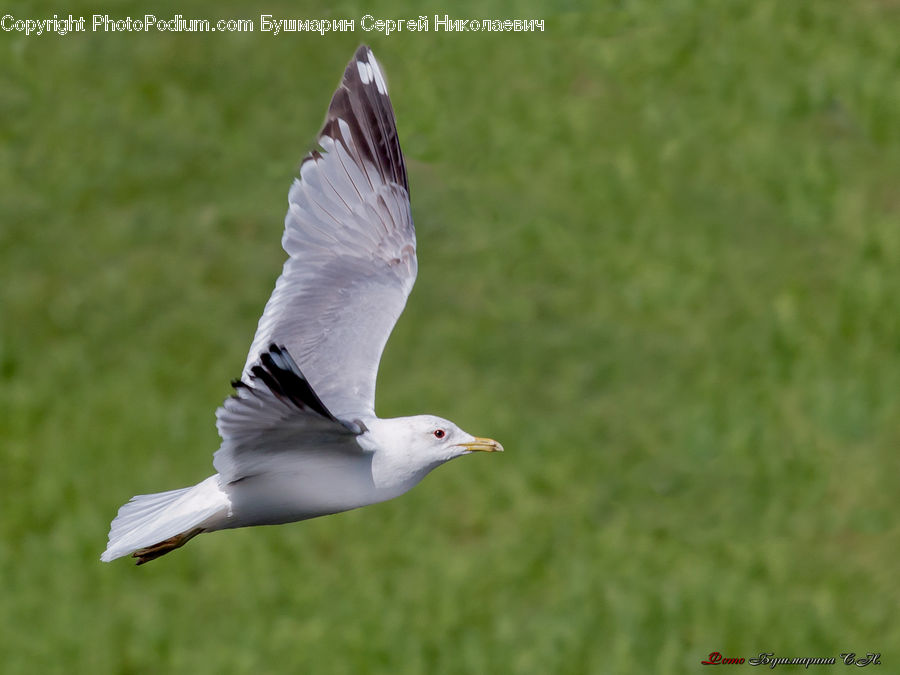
(278, 371)
(363, 104)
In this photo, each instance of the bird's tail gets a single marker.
(153, 525)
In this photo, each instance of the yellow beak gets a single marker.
(482, 445)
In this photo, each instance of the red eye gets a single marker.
(439, 433)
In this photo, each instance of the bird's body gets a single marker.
(359, 471)
(297, 444)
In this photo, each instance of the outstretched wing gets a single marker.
(275, 412)
(352, 247)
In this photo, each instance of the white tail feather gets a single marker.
(149, 519)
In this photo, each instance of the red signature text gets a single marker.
(716, 659)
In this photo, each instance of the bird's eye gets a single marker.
(439, 433)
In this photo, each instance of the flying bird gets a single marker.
(300, 438)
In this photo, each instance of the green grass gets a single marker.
(659, 250)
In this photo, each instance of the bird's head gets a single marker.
(423, 442)
(442, 440)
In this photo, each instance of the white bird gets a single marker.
(301, 444)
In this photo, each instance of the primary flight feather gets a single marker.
(300, 437)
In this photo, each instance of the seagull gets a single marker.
(299, 443)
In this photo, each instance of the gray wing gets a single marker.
(352, 247)
(273, 414)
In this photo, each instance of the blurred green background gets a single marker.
(659, 250)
